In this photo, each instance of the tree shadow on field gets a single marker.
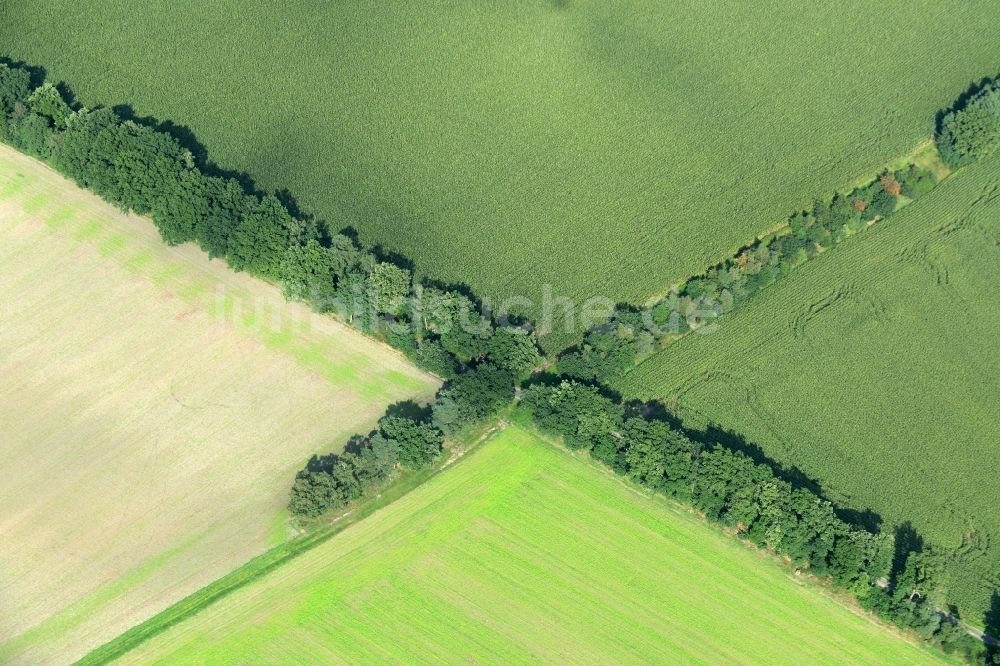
(383, 253)
(991, 626)
(37, 72)
(974, 89)
(187, 139)
(908, 541)
(715, 435)
(408, 409)
(288, 200)
(866, 518)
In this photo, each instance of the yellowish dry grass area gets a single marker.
(154, 407)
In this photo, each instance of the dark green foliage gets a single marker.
(390, 286)
(129, 164)
(794, 250)
(259, 243)
(330, 482)
(578, 412)
(227, 204)
(314, 493)
(473, 396)
(431, 356)
(178, 216)
(955, 639)
(15, 86)
(915, 181)
(88, 150)
(454, 321)
(514, 349)
(30, 132)
(440, 310)
(920, 574)
(401, 336)
(605, 354)
(882, 204)
(48, 102)
(969, 132)
(415, 443)
(378, 459)
(353, 299)
(344, 473)
(659, 456)
(466, 345)
(919, 615)
(308, 272)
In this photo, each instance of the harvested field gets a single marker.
(154, 407)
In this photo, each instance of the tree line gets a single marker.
(484, 362)
(331, 481)
(892, 577)
(609, 351)
(971, 129)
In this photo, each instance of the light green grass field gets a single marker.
(874, 368)
(604, 148)
(154, 408)
(523, 553)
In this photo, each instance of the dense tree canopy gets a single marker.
(972, 130)
(473, 396)
(15, 86)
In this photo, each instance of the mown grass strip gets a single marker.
(528, 553)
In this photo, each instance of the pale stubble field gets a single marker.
(154, 407)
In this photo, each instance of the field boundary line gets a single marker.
(924, 153)
(805, 579)
(260, 566)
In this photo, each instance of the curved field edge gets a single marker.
(872, 370)
(138, 472)
(684, 591)
(424, 129)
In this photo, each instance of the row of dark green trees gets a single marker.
(890, 576)
(487, 363)
(971, 129)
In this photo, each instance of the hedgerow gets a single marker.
(612, 349)
(890, 576)
(971, 129)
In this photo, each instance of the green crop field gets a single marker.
(502, 144)
(874, 369)
(154, 408)
(520, 553)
